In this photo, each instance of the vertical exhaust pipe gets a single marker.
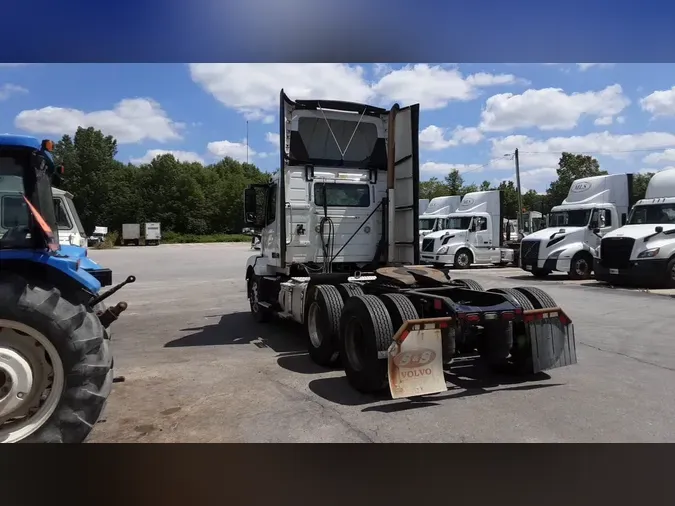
(391, 181)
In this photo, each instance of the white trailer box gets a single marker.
(153, 234)
(131, 234)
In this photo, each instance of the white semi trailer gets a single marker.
(642, 252)
(594, 207)
(340, 252)
(472, 235)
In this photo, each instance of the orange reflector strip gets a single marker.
(51, 242)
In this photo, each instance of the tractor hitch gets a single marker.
(105, 295)
(111, 314)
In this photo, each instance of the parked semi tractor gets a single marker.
(13, 213)
(642, 252)
(424, 203)
(472, 235)
(438, 208)
(339, 255)
(594, 207)
(55, 357)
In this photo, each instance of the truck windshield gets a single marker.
(653, 214)
(571, 218)
(456, 223)
(342, 195)
(427, 223)
(322, 141)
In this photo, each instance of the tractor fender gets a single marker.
(256, 264)
(455, 247)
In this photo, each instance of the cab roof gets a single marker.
(25, 141)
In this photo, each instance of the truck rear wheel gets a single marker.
(538, 297)
(365, 330)
(56, 372)
(349, 290)
(400, 309)
(471, 284)
(670, 274)
(323, 324)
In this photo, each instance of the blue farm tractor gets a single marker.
(56, 366)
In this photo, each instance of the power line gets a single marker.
(663, 148)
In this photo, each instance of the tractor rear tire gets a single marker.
(470, 284)
(349, 290)
(323, 325)
(519, 297)
(400, 309)
(538, 297)
(365, 330)
(69, 358)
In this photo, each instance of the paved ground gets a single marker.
(199, 370)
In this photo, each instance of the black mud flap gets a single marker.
(552, 340)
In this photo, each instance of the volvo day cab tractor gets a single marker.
(472, 235)
(55, 359)
(594, 207)
(438, 208)
(339, 255)
(642, 252)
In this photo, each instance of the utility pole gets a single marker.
(520, 196)
(247, 142)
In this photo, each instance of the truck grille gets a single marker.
(615, 252)
(428, 245)
(529, 250)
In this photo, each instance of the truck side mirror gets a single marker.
(250, 208)
(658, 230)
(596, 231)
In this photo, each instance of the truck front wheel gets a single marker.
(581, 266)
(56, 367)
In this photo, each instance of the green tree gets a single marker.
(570, 168)
(485, 186)
(640, 182)
(454, 182)
(432, 188)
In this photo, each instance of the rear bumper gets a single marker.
(640, 273)
(104, 276)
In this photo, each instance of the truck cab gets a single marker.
(438, 209)
(473, 234)
(642, 252)
(594, 207)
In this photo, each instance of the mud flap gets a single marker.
(415, 359)
(551, 335)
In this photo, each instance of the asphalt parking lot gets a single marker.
(198, 369)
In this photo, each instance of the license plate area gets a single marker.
(614, 271)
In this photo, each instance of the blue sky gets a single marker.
(472, 114)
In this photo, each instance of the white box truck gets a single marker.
(153, 234)
(569, 243)
(642, 252)
(131, 234)
(472, 235)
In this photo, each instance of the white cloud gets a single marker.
(620, 120)
(585, 66)
(550, 108)
(667, 156)
(434, 87)
(660, 103)
(435, 169)
(253, 88)
(272, 138)
(7, 90)
(181, 156)
(235, 150)
(604, 121)
(546, 152)
(435, 138)
(131, 120)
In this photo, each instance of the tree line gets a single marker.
(192, 198)
(570, 168)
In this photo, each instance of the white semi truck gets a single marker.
(594, 207)
(13, 214)
(472, 235)
(424, 203)
(340, 255)
(642, 252)
(438, 208)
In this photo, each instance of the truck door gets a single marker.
(405, 233)
(602, 219)
(481, 237)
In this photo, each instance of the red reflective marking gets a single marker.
(403, 336)
(443, 325)
(438, 304)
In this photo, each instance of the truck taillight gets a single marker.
(508, 315)
(473, 317)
